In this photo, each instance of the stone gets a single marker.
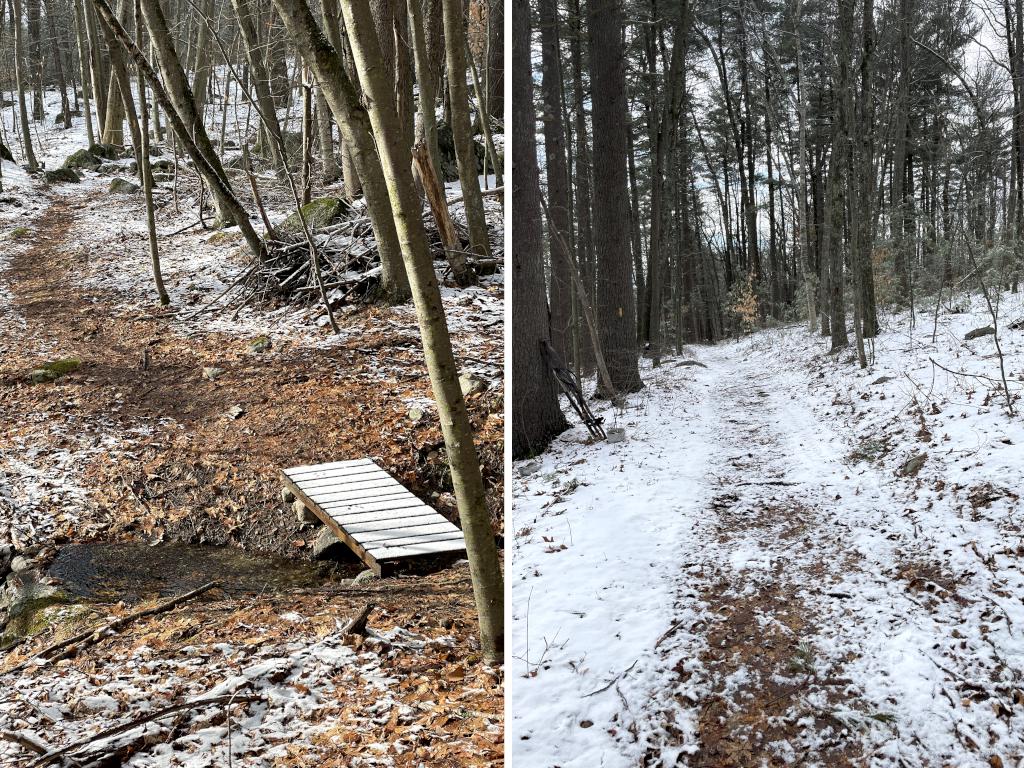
(882, 380)
(6, 555)
(287, 496)
(415, 414)
(303, 513)
(325, 544)
(318, 214)
(53, 370)
(106, 151)
(471, 385)
(212, 372)
(83, 158)
(913, 465)
(260, 344)
(615, 435)
(20, 564)
(987, 330)
(61, 176)
(365, 577)
(235, 412)
(5, 153)
(529, 468)
(123, 187)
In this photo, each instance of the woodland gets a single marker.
(768, 355)
(236, 237)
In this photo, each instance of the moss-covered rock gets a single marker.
(318, 214)
(40, 609)
(260, 344)
(106, 151)
(123, 187)
(61, 176)
(54, 369)
(83, 158)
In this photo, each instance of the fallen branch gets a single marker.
(483, 193)
(69, 647)
(117, 730)
(28, 740)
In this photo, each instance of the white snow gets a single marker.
(778, 469)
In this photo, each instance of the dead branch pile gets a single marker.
(349, 265)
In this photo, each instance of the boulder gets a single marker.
(318, 214)
(471, 385)
(5, 153)
(61, 176)
(54, 369)
(106, 151)
(6, 555)
(121, 186)
(615, 435)
(83, 158)
(987, 330)
(326, 544)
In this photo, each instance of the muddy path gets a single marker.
(138, 441)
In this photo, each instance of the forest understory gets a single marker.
(167, 427)
(789, 560)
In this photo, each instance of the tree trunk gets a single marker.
(354, 124)
(462, 129)
(614, 298)
(444, 378)
(19, 79)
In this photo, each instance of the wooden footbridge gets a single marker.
(371, 512)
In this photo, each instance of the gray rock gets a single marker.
(987, 330)
(6, 555)
(212, 373)
(303, 513)
(615, 435)
(471, 385)
(415, 414)
(529, 468)
(61, 176)
(20, 564)
(325, 544)
(913, 465)
(287, 496)
(106, 151)
(120, 186)
(882, 380)
(83, 158)
(365, 577)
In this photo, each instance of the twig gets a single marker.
(614, 680)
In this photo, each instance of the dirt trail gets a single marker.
(826, 611)
(161, 457)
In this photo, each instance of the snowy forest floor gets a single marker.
(139, 443)
(790, 561)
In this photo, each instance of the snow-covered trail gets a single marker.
(761, 598)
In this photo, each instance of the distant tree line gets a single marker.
(706, 168)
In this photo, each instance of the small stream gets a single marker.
(132, 572)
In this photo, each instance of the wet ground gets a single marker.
(133, 572)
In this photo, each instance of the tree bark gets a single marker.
(455, 425)
(614, 298)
